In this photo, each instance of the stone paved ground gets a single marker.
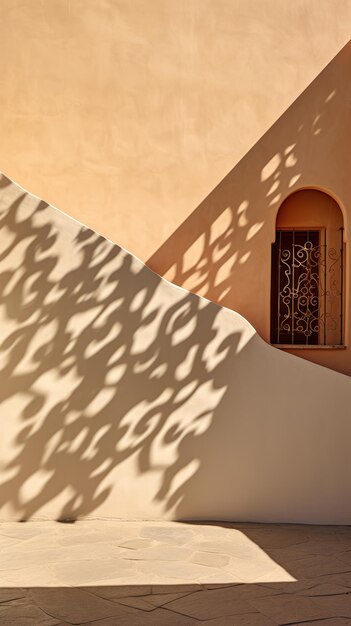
(172, 574)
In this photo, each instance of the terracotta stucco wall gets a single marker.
(125, 396)
(128, 114)
(223, 250)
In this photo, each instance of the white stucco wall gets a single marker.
(124, 396)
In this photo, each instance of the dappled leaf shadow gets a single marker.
(103, 364)
(223, 249)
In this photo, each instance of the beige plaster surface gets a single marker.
(171, 574)
(124, 396)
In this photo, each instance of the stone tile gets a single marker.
(158, 617)
(118, 533)
(318, 565)
(8, 543)
(158, 553)
(332, 621)
(29, 576)
(279, 537)
(343, 579)
(137, 543)
(211, 559)
(172, 534)
(143, 578)
(250, 592)
(211, 604)
(220, 579)
(74, 605)
(322, 547)
(287, 609)
(243, 549)
(161, 599)
(335, 606)
(272, 576)
(80, 538)
(90, 572)
(300, 573)
(216, 531)
(176, 570)
(12, 594)
(345, 557)
(136, 602)
(158, 589)
(249, 619)
(287, 556)
(25, 600)
(326, 589)
(290, 588)
(24, 614)
(252, 570)
(25, 531)
(20, 558)
(114, 592)
(212, 586)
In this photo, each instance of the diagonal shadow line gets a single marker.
(222, 250)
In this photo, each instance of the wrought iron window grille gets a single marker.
(307, 296)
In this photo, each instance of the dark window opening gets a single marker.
(306, 294)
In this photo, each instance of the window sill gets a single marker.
(289, 346)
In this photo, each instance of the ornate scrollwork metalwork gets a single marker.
(310, 292)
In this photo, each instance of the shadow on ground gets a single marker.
(307, 577)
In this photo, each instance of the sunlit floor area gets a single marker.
(170, 574)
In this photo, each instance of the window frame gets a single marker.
(321, 297)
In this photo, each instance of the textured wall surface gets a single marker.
(124, 396)
(223, 249)
(129, 114)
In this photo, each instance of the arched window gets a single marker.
(307, 300)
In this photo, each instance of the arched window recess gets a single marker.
(307, 287)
